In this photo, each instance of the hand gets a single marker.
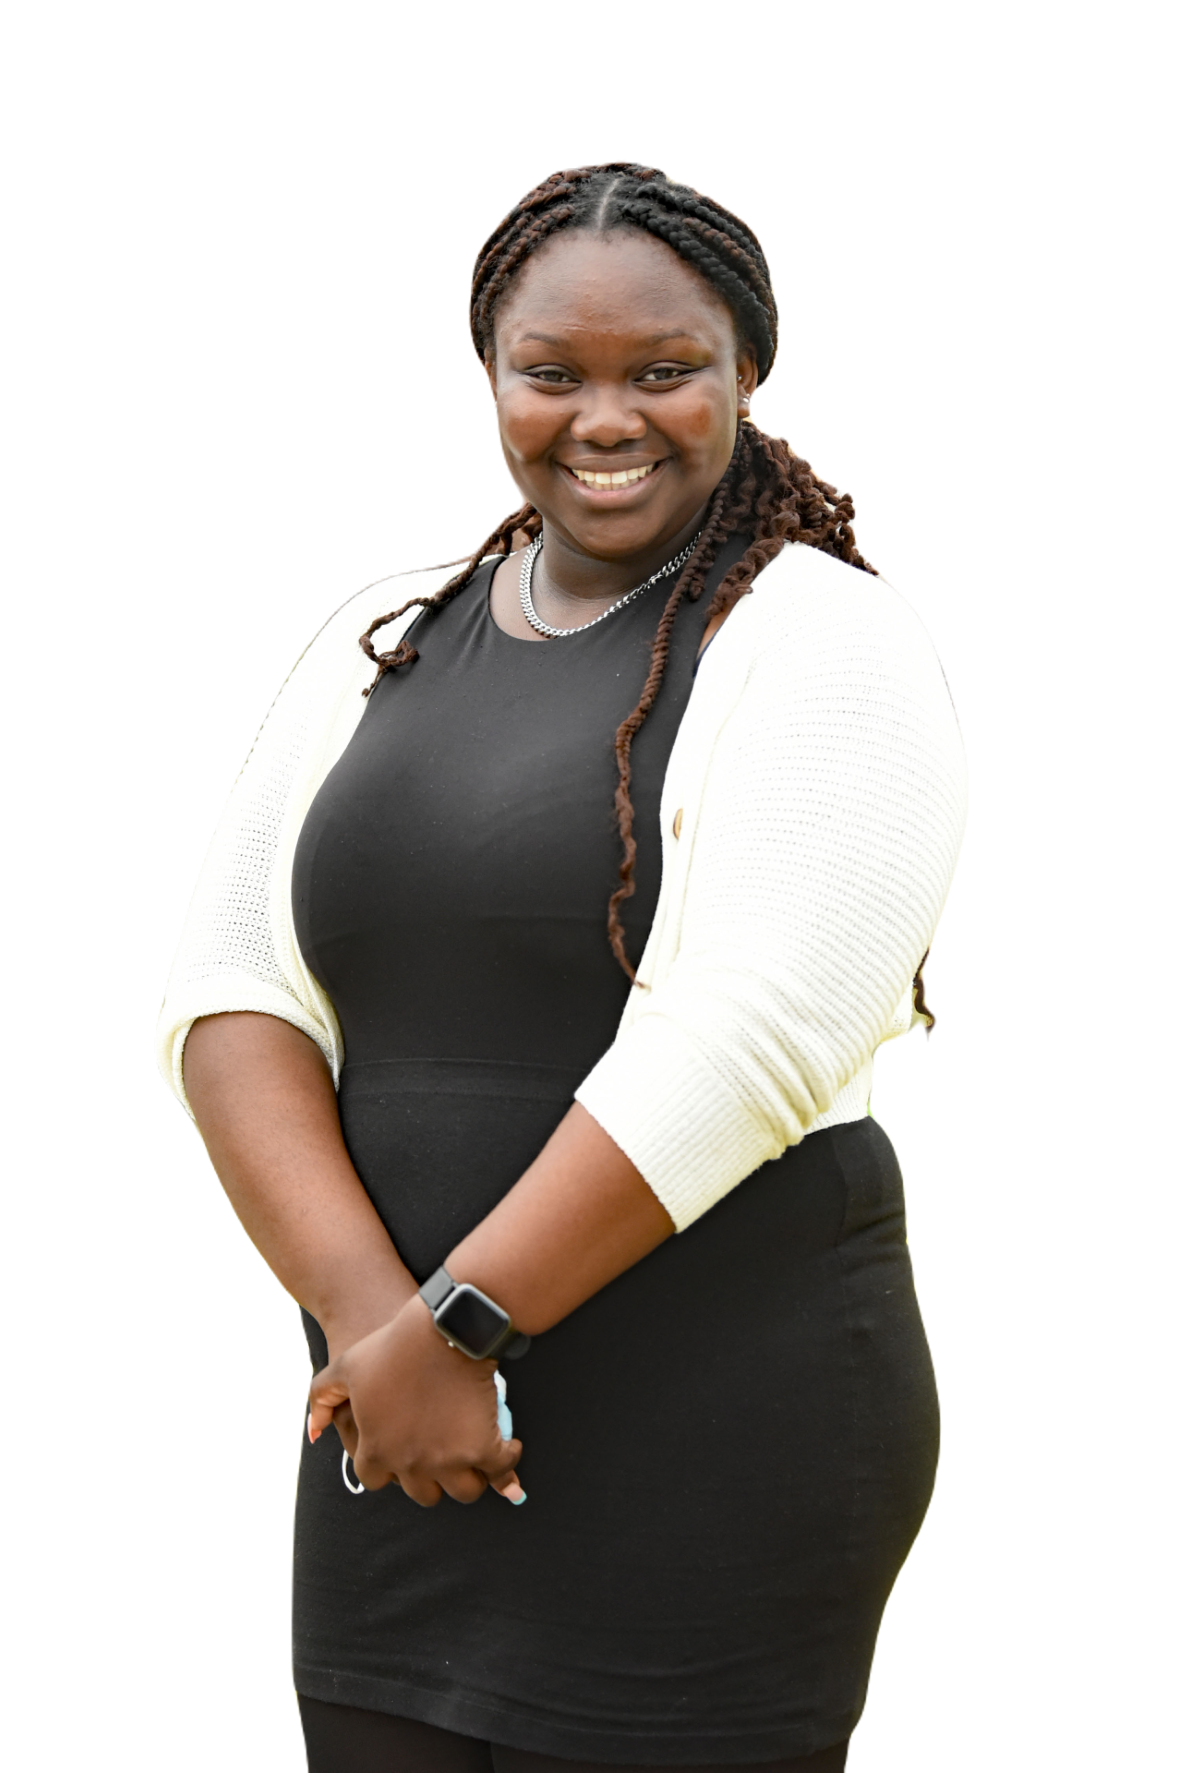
(425, 1415)
(358, 1319)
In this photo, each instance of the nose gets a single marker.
(608, 414)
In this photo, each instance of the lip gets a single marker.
(611, 495)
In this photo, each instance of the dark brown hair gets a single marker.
(767, 492)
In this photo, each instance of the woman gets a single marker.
(559, 1043)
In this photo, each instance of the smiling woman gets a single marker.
(613, 222)
(617, 424)
(407, 898)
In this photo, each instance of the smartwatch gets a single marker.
(470, 1321)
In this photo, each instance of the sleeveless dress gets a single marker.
(729, 1450)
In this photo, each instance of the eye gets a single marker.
(664, 372)
(553, 378)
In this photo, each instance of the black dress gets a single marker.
(730, 1449)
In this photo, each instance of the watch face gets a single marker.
(471, 1320)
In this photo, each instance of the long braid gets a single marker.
(921, 1007)
(773, 495)
(690, 584)
(525, 521)
(768, 492)
(778, 499)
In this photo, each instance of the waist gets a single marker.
(523, 1079)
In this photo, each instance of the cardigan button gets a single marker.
(677, 821)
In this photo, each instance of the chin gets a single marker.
(610, 534)
(606, 545)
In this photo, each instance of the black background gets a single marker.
(318, 421)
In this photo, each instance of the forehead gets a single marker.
(623, 284)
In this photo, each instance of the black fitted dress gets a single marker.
(730, 1449)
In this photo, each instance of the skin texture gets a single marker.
(611, 353)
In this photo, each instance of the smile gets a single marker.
(623, 477)
(612, 484)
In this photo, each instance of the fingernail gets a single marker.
(515, 1494)
(313, 1433)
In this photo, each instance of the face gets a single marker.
(614, 358)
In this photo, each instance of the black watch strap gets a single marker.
(436, 1288)
(470, 1320)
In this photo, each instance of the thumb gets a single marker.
(506, 1482)
(330, 1388)
(508, 1486)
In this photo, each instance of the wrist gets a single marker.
(417, 1330)
(470, 1320)
(350, 1320)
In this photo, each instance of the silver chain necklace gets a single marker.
(534, 619)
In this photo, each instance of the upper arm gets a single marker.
(829, 827)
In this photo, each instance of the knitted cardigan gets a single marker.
(811, 815)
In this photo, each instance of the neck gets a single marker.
(572, 580)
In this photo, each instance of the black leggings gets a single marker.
(345, 1739)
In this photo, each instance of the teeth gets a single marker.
(622, 479)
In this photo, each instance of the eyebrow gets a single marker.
(658, 338)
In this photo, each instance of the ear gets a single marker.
(746, 367)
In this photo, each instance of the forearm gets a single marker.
(265, 1104)
(579, 1216)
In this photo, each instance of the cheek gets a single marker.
(705, 424)
(528, 425)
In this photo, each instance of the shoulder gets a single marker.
(828, 650)
(379, 598)
(332, 671)
(802, 584)
(333, 655)
(808, 608)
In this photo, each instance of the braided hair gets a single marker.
(767, 492)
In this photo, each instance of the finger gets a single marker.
(370, 1472)
(501, 1472)
(509, 1487)
(465, 1486)
(330, 1389)
(345, 1424)
(423, 1490)
(500, 1459)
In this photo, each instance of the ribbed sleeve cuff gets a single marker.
(665, 1106)
(220, 996)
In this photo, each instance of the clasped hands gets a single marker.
(410, 1410)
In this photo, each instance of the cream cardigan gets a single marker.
(811, 815)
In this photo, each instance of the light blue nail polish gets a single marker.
(517, 1500)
